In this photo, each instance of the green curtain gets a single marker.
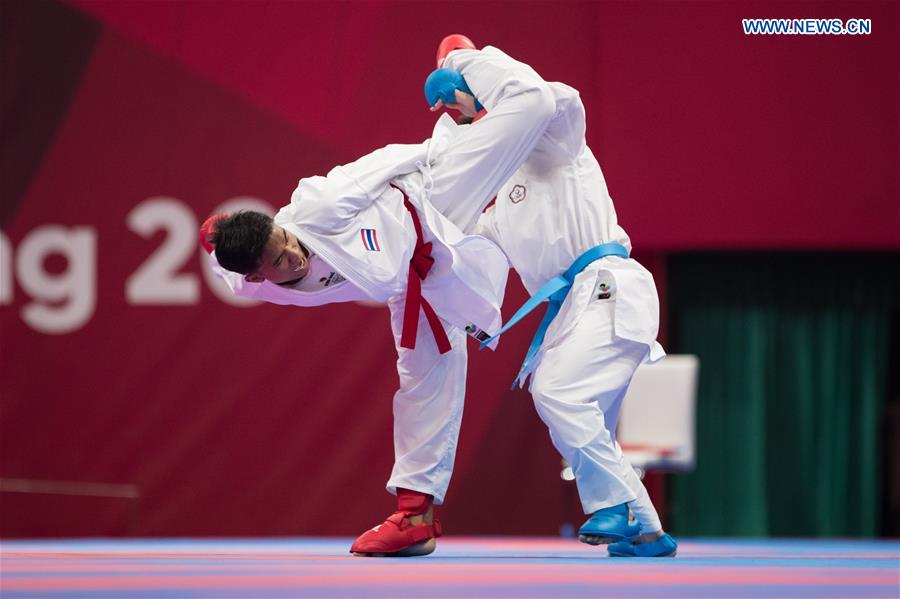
(793, 354)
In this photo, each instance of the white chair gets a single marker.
(657, 424)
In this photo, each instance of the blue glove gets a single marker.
(442, 85)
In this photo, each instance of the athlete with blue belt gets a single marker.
(555, 221)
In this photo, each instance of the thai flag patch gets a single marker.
(370, 240)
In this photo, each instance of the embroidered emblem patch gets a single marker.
(477, 333)
(517, 194)
(331, 278)
(370, 239)
(604, 291)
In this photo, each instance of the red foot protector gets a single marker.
(207, 230)
(396, 537)
(413, 503)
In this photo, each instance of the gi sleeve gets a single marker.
(275, 294)
(331, 203)
(564, 138)
(494, 77)
(235, 281)
(497, 79)
(486, 226)
(373, 172)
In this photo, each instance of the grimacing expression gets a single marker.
(283, 259)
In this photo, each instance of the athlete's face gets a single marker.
(283, 259)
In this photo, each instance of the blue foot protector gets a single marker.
(608, 525)
(664, 546)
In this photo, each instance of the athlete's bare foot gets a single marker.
(427, 517)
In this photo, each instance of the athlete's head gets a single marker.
(250, 243)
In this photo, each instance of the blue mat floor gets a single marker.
(461, 567)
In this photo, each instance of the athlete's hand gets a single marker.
(465, 104)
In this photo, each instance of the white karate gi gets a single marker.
(449, 179)
(553, 209)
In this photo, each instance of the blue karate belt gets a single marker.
(555, 291)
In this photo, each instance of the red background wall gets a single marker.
(273, 420)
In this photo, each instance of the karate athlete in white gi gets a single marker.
(555, 221)
(390, 228)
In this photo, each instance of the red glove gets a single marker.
(451, 43)
(207, 230)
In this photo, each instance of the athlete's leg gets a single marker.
(428, 409)
(578, 390)
(642, 507)
(580, 377)
(427, 414)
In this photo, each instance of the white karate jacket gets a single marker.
(556, 206)
(327, 214)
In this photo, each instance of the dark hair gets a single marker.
(240, 239)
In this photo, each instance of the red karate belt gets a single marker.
(419, 265)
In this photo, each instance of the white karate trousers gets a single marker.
(578, 386)
(469, 166)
